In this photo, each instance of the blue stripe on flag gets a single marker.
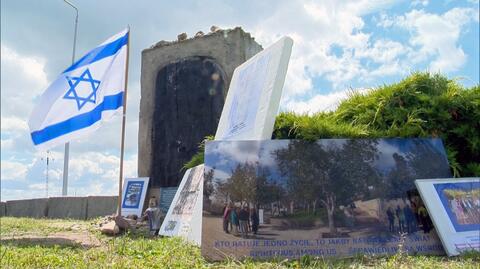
(100, 52)
(110, 102)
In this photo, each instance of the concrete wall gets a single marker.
(3, 209)
(99, 206)
(61, 207)
(67, 207)
(32, 208)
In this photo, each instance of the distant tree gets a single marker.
(336, 173)
(208, 187)
(249, 183)
(426, 161)
(399, 179)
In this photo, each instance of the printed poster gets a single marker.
(134, 191)
(330, 198)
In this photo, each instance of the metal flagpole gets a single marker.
(124, 114)
(67, 145)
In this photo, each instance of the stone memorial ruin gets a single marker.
(183, 87)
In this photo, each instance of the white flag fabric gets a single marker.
(86, 94)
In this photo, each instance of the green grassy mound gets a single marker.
(421, 105)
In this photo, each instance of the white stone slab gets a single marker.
(184, 217)
(254, 95)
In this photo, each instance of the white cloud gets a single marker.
(13, 170)
(318, 27)
(416, 3)
(13, 124)
(435, 37)
(318, 103)
(23, 78)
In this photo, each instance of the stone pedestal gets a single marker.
(183, 87)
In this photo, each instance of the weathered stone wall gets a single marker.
(3, 209)
(98, 206)
(32, 208)
(67, 207)
(61, 207)
(183, 88)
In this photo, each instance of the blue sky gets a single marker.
(339, 45)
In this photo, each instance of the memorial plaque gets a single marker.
(134, 191)
(454, 205)
(184, 217)
(333, 197)
(254, 94)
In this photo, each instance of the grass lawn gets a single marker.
(42, 243)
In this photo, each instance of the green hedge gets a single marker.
(421, 105)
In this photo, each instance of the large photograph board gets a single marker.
(454, 205)
(332, 197)
(254, 94)
(134, 191)
(184, 214)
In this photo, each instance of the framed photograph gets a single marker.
(454, 205)
(332, 198)
(134, 191)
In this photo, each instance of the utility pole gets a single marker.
(67, 145)
(47, 159)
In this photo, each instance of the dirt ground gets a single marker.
(84, 239)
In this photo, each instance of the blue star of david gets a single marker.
(72, 93)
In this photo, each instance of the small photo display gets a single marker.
(133, 193)
(461, 202)
(133, 197)
(454, 205)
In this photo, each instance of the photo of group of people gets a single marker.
(357, 191)
(240, 221)
(409, 217)
(462, 203)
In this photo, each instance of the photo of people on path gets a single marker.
(357, 191)
(462, 202)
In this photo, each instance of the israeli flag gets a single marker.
(86, 94)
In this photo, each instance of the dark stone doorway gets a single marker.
(189, 97)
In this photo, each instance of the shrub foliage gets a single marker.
(421, 105)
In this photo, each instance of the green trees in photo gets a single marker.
(328, 173)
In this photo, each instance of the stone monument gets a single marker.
(183, 88)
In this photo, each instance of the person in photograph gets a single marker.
(234, 220)
(226, 217)
(459, 211)
(422, 212)
(254, 219)
(409, 219)
(391, 219)
(401, 219)
(347, 212)
(243, 217)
